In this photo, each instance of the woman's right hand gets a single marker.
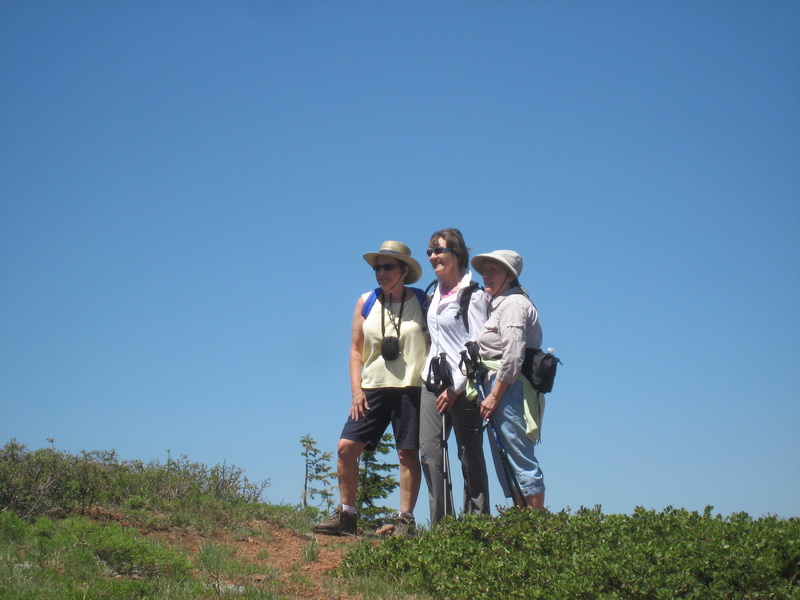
(488, 406)
(446, 400)
(359, 407)
(492, 400)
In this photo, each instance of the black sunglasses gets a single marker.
(438, 251)
(386, 267)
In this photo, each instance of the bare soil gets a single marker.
(297, 566)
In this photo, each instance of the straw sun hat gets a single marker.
(402, 253)
(509, 258)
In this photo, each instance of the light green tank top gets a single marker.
(405, 370)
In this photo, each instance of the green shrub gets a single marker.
(536, 554)
(48, 482)
(136, 502)
(12, 528)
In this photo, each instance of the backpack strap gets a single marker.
(463, 305)
(370, 301)
(373, 296)
(431, 286)
(421, 296)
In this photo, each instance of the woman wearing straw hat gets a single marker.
(387, 351)
(456, 315)
(513, 326)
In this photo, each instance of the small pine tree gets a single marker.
(317, 471)
(375, 481)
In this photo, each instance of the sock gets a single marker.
(405, 515)
(350, 510)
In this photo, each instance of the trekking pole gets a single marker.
(440, 380)
(449, 508)
(472, 366)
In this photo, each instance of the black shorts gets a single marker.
(398, 406)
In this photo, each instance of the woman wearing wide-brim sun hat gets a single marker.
(513, 325)
(387, 351)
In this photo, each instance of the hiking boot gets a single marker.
(404, 524)
(340, 522)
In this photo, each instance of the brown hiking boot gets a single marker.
(340, 522)
(405, 525)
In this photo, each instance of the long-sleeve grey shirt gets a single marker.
(513, 325)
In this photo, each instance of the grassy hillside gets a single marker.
(93, 526)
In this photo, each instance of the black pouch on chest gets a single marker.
(390, 345)
(390, 348)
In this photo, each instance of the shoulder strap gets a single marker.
(463, 305)
(424, 299)
(370, 301)
(373, 296)
(431, 286)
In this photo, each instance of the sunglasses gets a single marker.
(438, 251)
(386, 267)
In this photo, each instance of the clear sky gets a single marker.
(186, 190)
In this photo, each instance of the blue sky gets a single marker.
(186, 190)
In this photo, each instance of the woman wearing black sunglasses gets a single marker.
(387, 351)
(457, 312)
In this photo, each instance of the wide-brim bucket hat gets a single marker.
(512, 260)
(402, 253)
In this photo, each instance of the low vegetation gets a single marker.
(49, 482)
(70, 527)
(68, 558)
(56, 542)
(649, 555)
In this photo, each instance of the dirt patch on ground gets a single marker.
(295, 565)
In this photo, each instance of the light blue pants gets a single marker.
(509, 418)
